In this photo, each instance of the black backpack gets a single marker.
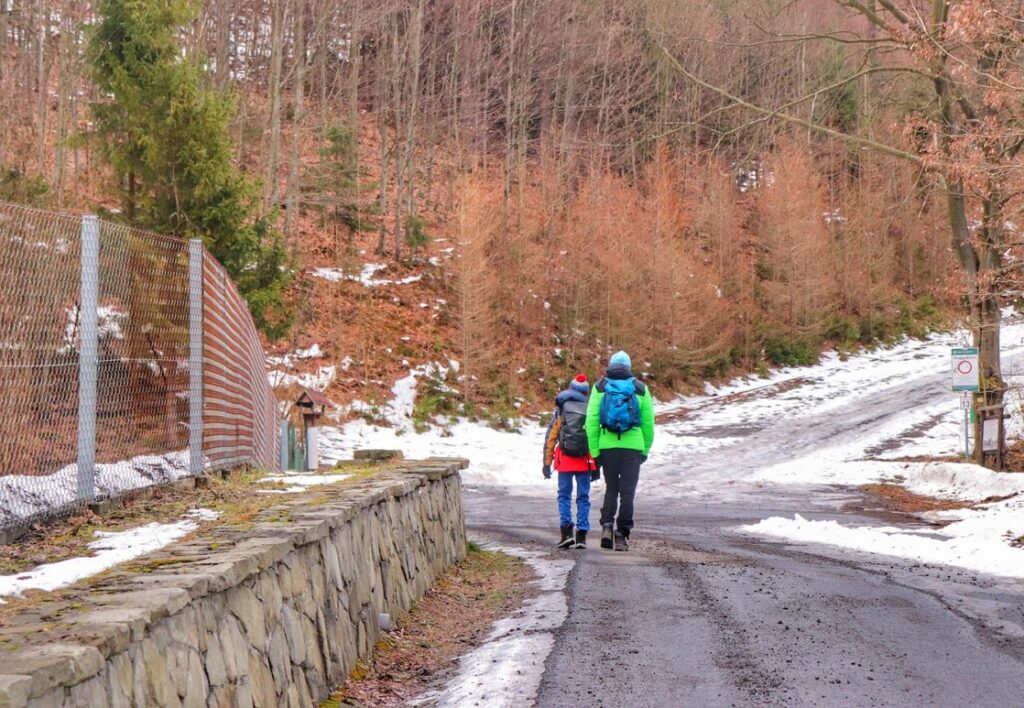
(572, 435)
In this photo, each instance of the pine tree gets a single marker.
(165, 135)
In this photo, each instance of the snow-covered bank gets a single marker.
(26, 496)
(982, 539)
(723, 419)
(497, 457)
(979, 541)
(110, 548)
(966, 482)
(506, 669)
(841, 423)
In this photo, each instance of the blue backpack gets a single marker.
(620, 407)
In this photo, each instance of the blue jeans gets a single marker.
(565, 480)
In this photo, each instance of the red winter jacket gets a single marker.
(564, 463)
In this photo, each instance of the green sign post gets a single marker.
(966, 378)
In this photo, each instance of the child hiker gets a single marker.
(566, 449)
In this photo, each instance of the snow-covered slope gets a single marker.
(842, 422)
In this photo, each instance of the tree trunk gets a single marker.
(274, 89)
(291, 202)
(43, 88)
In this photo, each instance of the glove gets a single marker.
(597, 462)
(547, 471)
(643, 459)
(595, 475)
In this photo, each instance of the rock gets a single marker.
(14, 690)
(263, 684)
(378, 455)
(216, 671)
(277, 653)
(54, 665)
(243, 604)
(235, 647)
(119, 680)
(293, 635)
(90, 694)
(157, 675)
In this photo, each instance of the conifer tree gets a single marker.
(165, 134)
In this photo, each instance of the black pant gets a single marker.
(621, 473)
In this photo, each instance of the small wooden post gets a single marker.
(311, 405)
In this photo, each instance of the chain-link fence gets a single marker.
(127, 358)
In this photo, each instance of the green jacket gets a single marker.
(636, 439)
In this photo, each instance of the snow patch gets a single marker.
(367, 277)
(497, 458)
(506, 669)
(110, 548)
(312, 352)
(980, 541)
(301, 482)
(27, 496)
(317, 380)
(951, 480)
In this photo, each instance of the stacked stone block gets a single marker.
(274, 611)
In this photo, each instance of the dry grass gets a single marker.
(239, 497)
(452, 618)
(897, 498)
(1014, 461)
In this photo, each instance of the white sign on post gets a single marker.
(990, 435)
(965, 369)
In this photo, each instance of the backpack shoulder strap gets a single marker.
(639, 387)
(601, 385)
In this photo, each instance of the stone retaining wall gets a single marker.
(270, 612)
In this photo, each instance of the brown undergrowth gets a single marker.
(898, 498)
(1014, 460)
(452, 618)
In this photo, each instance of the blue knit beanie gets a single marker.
(580, 384)
(620, 358)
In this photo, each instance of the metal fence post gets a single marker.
(88, 357)
(195, 356)
(283, 452)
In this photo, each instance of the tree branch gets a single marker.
(853, 139)
(775, 113)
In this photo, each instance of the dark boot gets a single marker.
(621, 542)
(567, 540)
(606, 536)
(581, 539)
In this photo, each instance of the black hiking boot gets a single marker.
(606, 536)
(581, 539)
(621, 542)
(567, 540)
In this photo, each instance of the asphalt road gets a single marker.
(701, 614)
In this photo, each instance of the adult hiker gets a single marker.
(620, 430)
(566, 449)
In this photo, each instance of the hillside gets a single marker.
(520, 188)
